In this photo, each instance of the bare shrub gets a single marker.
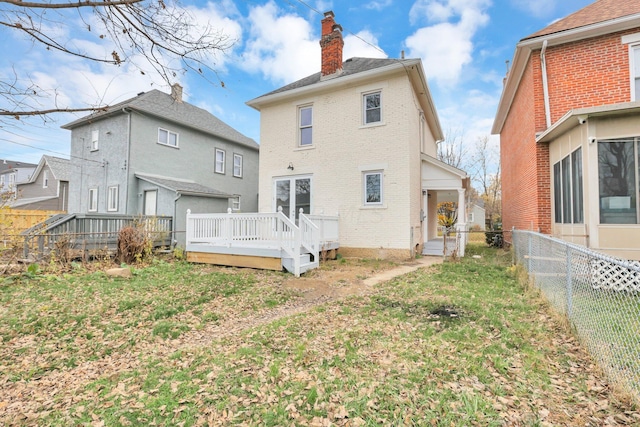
(133, 245)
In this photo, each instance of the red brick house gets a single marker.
(569, 125)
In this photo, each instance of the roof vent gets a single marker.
(140, 93)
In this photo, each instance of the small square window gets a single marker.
(220, 158)
(93, 200)
(166, 137)
(372, 188)
(372, 108)
(237, 165)
(112, 200)
(306, 126)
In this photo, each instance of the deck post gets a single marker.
(229, 236)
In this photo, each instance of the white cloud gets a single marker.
(446, 47)
(378, 4)
(282, 47)
(538, 8)
(363, 44)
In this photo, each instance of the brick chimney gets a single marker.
(331, 44)
(176, 92)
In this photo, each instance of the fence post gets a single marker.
(513, 242)
(530, 253)
(569, 284)
(229, 228)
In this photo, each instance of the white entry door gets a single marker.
(293, 194)
(150, 202)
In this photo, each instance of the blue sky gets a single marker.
(463, 45)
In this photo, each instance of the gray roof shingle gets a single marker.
(61, 168)
(163, 105)
(184, 186)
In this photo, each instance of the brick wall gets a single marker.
(582, 74)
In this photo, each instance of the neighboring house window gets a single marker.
(306, 125)
(568, 190)
(45, 179)
(94, 139)
(112, 199)
(93, 199)
(618, 180)
(235, 203)
(237, 165)
(471, 217)
(635, 60)
(1, 180)
(12, 178)
(220, 157)
(372, 108)
(372, 188)
(166, 137)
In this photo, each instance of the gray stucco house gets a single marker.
(47, 187)
(155, 154)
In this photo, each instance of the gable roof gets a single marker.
(354, 70)
(10, 165)
(597, 19)
(186, 187)
(163, 105)
(600, 11)
(61, 169)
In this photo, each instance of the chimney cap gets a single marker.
(329, 13)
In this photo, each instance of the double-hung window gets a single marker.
(166, 137)
(93, 200)
(220, 160)
(235, 203)
(305, 116)
(112, 199)
(95, 134)
(568, 190)
(635, 60)
(372, 107)
(372, 188)
(237, 165)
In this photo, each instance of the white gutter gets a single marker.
(545, 84)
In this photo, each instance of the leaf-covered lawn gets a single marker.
(453, 345)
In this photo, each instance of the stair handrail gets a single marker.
(309, 235)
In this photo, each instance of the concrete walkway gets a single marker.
(387, 275)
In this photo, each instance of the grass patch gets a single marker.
(461, 343)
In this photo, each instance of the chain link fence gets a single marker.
(599, 295)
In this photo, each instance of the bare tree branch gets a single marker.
(74, 5)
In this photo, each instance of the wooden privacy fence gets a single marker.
(15, 221)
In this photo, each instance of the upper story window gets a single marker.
(635, 83)
(95, 134)
(220, 160)
(306, 125)
(166, 137)
(372, 107)
(237, 165)
(45, 179)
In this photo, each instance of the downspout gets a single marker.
(126, 166)
(545, 84)
(174, 240)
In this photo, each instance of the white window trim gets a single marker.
(93, 196)
(112, 199)
(632, 78)
(300, 126)
(169, 133)
(364, 109)
(1, 180)
(235, 203)
(224, 161)
(95, 140)
(45, 179)
(366, 204)
(237, 156)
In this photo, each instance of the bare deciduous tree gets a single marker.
(452, 150)
(139, 33)
(486, 174)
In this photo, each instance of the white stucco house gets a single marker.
(357, 141)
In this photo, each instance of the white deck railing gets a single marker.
(263, 231)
